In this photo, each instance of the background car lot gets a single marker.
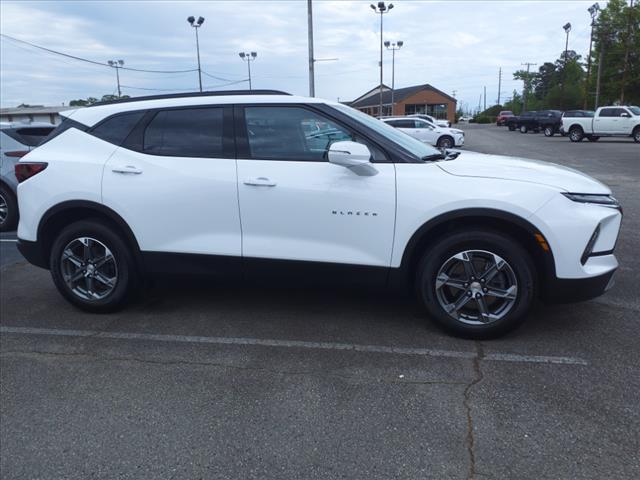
(219, 381)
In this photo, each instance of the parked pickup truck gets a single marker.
(549, 121)
(513, 123)
(617, 121)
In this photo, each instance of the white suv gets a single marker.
(264, 183)
(424, 131)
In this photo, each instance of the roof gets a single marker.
(92, 115)
(399, 95)
(33, 110)
(213, 93)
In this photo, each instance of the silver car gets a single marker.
(16, 139)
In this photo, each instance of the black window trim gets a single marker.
(135, 140)
(242, 140)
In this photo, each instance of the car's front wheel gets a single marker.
(548, 131)
(92, 267)
(445, 142)
(636, 135)
(523, 129)
(8, 210)
(477, 284)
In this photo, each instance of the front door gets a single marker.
(295, 205)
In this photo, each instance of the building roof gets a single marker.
(399, 95)
(34, 110)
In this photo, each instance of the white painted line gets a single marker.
(12, 240)
(265, 342)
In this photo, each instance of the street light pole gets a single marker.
(312, 87)
(248, 57)
(393, 46)
(593, 11)
(117, 64)
(197, 24)
(567, 29)
(381, 9)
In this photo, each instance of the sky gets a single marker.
(456, 46)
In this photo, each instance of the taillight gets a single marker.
(26, 170)
(17, 153)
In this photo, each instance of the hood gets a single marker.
(471, 164)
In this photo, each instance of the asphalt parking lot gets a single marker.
(230, 382)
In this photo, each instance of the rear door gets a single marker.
(174, 182)
(297, 206)
(605, 121)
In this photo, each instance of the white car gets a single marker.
(424, 131)
(435, 121)
(616, 121)
(246, 184)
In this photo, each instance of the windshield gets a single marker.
(634, 110)
(413, 146)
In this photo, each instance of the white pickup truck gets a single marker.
(617, 121)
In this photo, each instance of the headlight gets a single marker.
(598, 199)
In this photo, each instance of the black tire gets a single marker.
(523, 129)
(9, 210)
(576, 134)
(636, 134)
(445, 141)
(511, 127)
(548, 131)
(127, 277)
(591, 138)
(517, 258)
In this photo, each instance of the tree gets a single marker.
(91, 100)
(617, 47)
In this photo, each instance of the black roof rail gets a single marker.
(191, 94)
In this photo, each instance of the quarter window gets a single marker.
(191, 132)
(116, 129)
(291, 133)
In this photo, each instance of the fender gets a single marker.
(544, 259)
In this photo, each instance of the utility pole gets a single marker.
(626, 55)
(393, 46)
(312, 87)
(479, 103)
(499, 83)
(117, 64)
(381, 9)
(485, 98)
(196, 25)
(453, 94)
(248, 57)
(593, 11)
(600, 60)
(526, 86)
(567, 29)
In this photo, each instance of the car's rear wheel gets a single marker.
(92, 267)
(636, 135)
(476, 284)
(445, 142)
(548, 131)
(511, 128)
(523, 129)
(8, 210)
(576, 134)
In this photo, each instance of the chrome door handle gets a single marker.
(260, 182)
(127, 169)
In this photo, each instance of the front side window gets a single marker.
(189, 132)
(291, 133)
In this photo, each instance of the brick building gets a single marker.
(408, 100)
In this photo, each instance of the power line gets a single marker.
(91, 61)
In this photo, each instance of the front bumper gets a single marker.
(458, 140)
(567, 290)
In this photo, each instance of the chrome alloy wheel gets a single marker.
(89, 268)
(4, 209)
(476, 287)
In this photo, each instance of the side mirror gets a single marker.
(352, 155)
(625, 115)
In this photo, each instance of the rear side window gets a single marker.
(192, 132)
(402, 123)
(30, 136)
(66, 124)
(116, 129)
(607, 112)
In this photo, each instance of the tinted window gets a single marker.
(607, 112)
(65, 125)
(403, 123)
(30, 136)
(193, 132)
(116, 129)
(290, 133)
(619, 111)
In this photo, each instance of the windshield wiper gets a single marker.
(446, 155)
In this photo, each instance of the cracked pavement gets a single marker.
(139, 396)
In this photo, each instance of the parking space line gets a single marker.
(425, 352)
